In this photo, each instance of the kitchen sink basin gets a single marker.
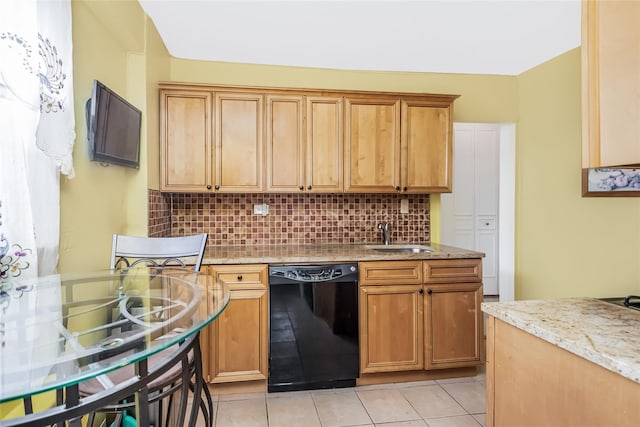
(401, 248)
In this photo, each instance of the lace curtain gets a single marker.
(36, 132)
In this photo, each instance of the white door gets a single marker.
(469, 215)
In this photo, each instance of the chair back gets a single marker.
(127, 251)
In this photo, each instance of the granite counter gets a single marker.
(323, 253)
(603, 333)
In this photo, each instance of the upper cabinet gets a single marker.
(427, 146)
(401, 145)
(372, 155)
(304, 144)
(186, 153)
(238, 142)
(210, 141)
(324, 144)
(240, 139)
(610, 83)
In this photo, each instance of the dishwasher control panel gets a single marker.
(313, 273)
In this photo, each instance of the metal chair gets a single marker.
(127, 252)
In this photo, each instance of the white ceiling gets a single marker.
(503, 37)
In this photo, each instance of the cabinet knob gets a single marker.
(217, 187)
(397, 188)
(405, 189)
(209, 187)
(429, 291)
(421, 291)
(301, 187)
(309, 187)
(239, 277)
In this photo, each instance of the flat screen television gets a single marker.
(113, 128)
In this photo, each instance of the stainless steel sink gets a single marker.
(401, 248)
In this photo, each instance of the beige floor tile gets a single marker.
(292, 411)
(470, 395)
(456, 380)
(432, 401)
(240, 396)
(288, 394)
(414, 384)
(414, 423)
(375, 387)
(460, 421)
(481, 418)
(386, 406)
(340, 409)
(242, 413)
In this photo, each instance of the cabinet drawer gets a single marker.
(452, 270)
(390, 273)
(238, 277)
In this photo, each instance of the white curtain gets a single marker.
(36, 132)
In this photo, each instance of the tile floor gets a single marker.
(456, 402)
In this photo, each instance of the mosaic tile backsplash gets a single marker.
(293, 218)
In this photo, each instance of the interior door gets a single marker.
(470, 213)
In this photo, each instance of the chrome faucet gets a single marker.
(385, 229)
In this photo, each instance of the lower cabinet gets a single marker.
(453, 318)
(420, 315)
(453, 325)
(413, 315)
(391, 336)
(238, 338)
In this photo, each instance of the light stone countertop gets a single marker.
(288, 254)
(603, 333)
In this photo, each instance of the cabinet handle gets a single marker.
(405, 189)
(429, 291)
(208, 186)
(217, 187)
(421, 291)
(301, 187)
(309, 187)
(397, 188)
(239, 277)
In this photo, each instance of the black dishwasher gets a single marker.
(313, 326)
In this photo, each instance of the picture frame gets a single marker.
(611, 182)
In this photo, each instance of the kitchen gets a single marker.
(562, 239)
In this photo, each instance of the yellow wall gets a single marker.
(566, 245)
(116, 43)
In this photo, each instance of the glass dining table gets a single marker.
(59, 333)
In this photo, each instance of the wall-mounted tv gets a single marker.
(113, 128)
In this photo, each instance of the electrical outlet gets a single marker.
(404, 206)
(262, 209)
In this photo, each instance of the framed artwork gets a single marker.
(611, 182)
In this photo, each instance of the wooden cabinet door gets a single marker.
(391, 328)
(372, 152)
(239, 336)
(453, 325)
(610, 83)
(427, 147)
(285, 144)
(186, 151)
(324, 164)
(238, 142)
